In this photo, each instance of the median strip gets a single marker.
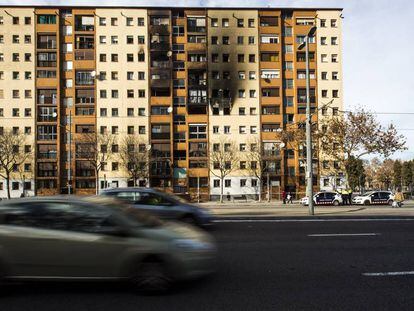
(343, 234)
(389, 273)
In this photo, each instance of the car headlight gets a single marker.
(193, 245)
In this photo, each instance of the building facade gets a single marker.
(181, 81)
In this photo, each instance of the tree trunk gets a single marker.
(260, 190)
(97, 182)
(8, 184)
(221, 189)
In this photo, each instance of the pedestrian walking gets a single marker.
(344, 195)
(399, 198)
(284, 196)
(289, 198)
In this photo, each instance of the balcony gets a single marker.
(84, 23)
(302, 99)
(160, 46)
(84, 55)
(197, 100)
(195, 82)
(48, 45)
(46, 118)
(47, 173)
(223, 102)
(47, 155)
(160, 135)
(161, 64)
(43, 63)
(199, 29)
(85, 173)
(46, 100)
(159, 29)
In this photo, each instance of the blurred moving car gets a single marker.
(324, 198)
(374, 198)
(60, 238)
(166, 206)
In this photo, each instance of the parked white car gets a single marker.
(324, 198)
(374, 198)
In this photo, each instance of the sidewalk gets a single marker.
(277, 209)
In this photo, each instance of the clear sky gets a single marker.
(378, 50)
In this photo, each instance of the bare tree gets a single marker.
(12, 155)
(357, 134)
(96, 150)
(135, 157)
(224, 159)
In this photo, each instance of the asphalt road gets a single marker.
(267, 265)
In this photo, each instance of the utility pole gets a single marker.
(70, 153)
(309, 171)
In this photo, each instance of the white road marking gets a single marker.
(389, 273)
(343, 234)
(314, 220)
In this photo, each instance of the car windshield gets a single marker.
(367, 193)
(133, 215)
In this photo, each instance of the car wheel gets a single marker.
(390, 202)
(336, 203)
(152, 277)
(366, 202)
(188, 219)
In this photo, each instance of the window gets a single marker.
(16, 57)
(288, 83)
(288, 48)
(242, 93)
(252, 75)
(334, 41)
(115, 94)
(46, 19)
(114, 57)
(114, 39)
(141, 21)
(334, 58)
(129, 21)
(242, 129)
(226, 75)
(16, 94)
(271, 110)
(226, 129)
(198, 131)
(335, 75)
(335, 111)
(240, 40)
(240, 58)
(269, 57)
(130, 57)
(16, 39)
(269, 39)
(141, 75)
(323, 23)
(252, 58)
(324, 75)
(251, 40)
(141, 39)
(141, 57)
(114, 21)
(333, 23)
(225, 22)
(252, 111)
(253, 129)
(323, 40)
(225, 40)
(243, 181)
(270, 74)
(216, 183)
(27, 20)
(102, 58)
(102, 21)
(102, 94)
(305, 21)
(130, 39)
(288, 66)
(141, 93)
(251, 22)
(287, 31)
(324, 58)
(270, 92)
(268, 21)
(226, 58)
(252, 93)
(240, 22)
(242, 111)
(214, 22)
(324, 93)
(335, 93)
(227, 183)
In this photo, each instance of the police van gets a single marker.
(374, 198)
(324, 198)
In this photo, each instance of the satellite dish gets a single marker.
(148, 147)
(282, 145)
(169, 53)
(170, 109)
(93, 74)
(54, 114)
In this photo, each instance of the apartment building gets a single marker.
(180, 80)
(330, 97)
(17, 91)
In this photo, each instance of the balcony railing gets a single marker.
(160, 136)
(302, 99)
(85, 172)
(196, 29)
(160, 64)
(85, 81)
(85, 100)
(85, 45)
(161, 46)
(221, 102)
(46, 118)
(47, 173)
(197, 100)
(49, 45)
(52, 136)
(160, 29)
(47, 155)
(42, 63)
(46, 100)
(84, 55)
(84, 28)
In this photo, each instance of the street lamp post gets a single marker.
(309, 172)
